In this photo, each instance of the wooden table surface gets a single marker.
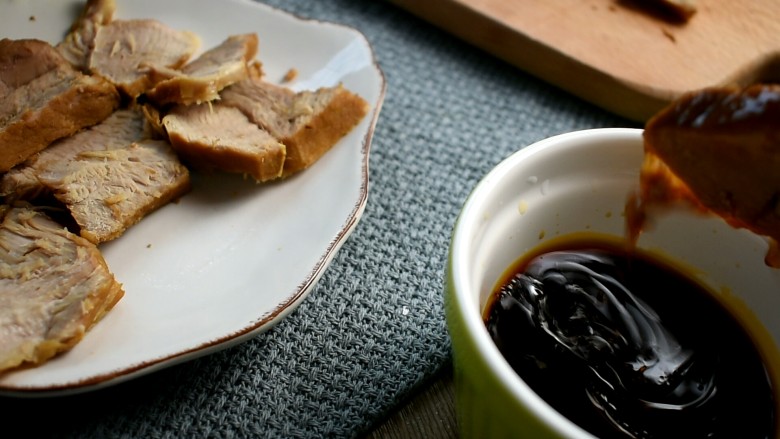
(572, 44)
(429, 414)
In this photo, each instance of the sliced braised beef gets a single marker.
(308, 123)
(216, 137)
(125, 52)
(43, 98)
(108, 191)
(54, 286)
(716, 150)
(202, 79)
(79, 42)
(62, 136)
(719, 148)
(120, 129)
(23, 61)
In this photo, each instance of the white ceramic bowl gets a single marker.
(578, 182)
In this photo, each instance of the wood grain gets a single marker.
(429, 414)
(621, 55)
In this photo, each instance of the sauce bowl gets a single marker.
(570, 184)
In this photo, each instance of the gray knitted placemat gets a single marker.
(373, 329)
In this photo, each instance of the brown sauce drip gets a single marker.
(628, 348)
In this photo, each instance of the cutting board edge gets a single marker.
(637, 102)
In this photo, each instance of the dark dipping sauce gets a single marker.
(627, 347)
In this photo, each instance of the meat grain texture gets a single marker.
(43, 98)
(55, 286)
(202, 79)
(126, 50)
(120, 129)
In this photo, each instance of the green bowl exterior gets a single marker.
(485, 407)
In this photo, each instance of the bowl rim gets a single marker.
(460, 248)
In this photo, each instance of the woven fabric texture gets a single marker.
(373, 329)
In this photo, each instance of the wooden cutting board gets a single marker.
(622, 55)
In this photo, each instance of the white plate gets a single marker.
(232, 258)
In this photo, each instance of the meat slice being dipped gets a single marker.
(718, 150)
(308, 123)
(43, 98)
(202, 79)
(109, 191)
(54, 287)
(120, 129)
(125, 51)
(217, 137)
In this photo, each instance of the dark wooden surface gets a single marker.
(429, 414)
